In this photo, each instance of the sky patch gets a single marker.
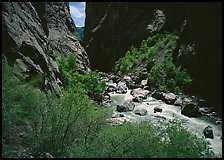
(77, 10)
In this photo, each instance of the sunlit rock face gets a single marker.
(111, 28)
(33, 32)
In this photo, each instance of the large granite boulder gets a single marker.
(139, 92)
(170, 98)
(127, 105)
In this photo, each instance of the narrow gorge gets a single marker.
(138, 80)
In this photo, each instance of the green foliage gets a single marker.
(146, 51)
(125, 63)
(166, 76)
(74, 126)
(90, 82)
(163, 73)
(144, 141)
(46, 123)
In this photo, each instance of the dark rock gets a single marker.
(201, 102)
(140, 112)
(139, 92)
(121, 88)
(131, 84)
(137, 99)
(208, 132)
(218, 122)
(170, 98)
(191, 110)
(121, 115)
(160, 117)
(157, 109)
(158, 95)
(127, 105)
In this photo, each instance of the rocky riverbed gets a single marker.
(141, 104)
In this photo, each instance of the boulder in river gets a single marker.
(157, 109)
(144, 83)
(127, 105)
(208, 132)
(121, 87)
(170, 98)
(137, 99)
(110, 87)
(139, 92)
(191, 110)
(178, 102)
(141, 111)
(158, 95)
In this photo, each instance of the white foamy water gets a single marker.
(195, 125)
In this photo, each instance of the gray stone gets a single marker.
(139, 92)
(170, 98)
(178, 102)
(127, 105)
(121, 88)
(140, 112)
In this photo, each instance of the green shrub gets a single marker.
(146, 51)
(46, 123)
(90, 82)
(72, 118)
(74, 126)
(166, 76)
(168, 140)
(126, 63)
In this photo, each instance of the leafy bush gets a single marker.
(163, 74)
(74, 126)
(166, 76)
(45, 122)
(169, 140)
(146, 51)
(125, 63)
(90, 82)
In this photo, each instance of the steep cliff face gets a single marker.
(33, 32)
(112, 28)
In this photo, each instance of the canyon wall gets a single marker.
(111, 28)
(35, 33)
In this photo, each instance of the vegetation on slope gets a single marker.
(156, 53)
(75, 126)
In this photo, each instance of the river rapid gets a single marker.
(194, 125)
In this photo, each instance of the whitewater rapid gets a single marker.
(195, 125)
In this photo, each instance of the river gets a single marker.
(195, 125)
